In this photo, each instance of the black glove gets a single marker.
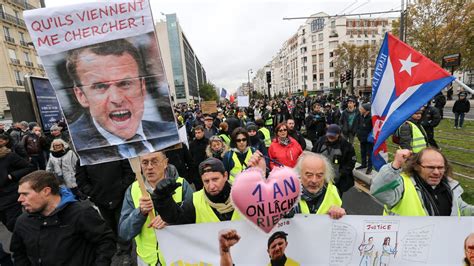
(79, 195)
(165, 189)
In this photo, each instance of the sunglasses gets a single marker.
(241, 140)
(282, 130)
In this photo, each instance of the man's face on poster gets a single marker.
(277, 248)
(112, 91)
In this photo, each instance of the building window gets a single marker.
(314, 68)
(333, 24)
(321, 58)
(313, 47)
(315, 77)
(331, 74)
(320, 37)
(331, 54)
(12, 54)
(358, 82)
(331, 84)
(321, 76)
(6, 31)
(321, 85)
(331, 64)
(313, 38)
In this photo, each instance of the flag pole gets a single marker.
(464, 86)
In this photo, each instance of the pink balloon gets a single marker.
(262, 201)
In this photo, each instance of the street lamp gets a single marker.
(248, 84)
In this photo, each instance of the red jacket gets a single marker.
(286, 155)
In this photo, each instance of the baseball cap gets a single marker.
(278, 234)
(211, 165)
(333, 130)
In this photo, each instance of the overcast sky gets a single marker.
(232, 36)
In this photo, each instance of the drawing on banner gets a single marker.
(111, 87)
(367, 251)
(375, 248)
(387, 252)
(469, 250)
(416, 244)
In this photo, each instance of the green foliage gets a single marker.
(208, 92)
(357, 58)
(439, 28)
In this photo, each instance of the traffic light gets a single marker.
(342, 78)
(348, 75)
(269, 77)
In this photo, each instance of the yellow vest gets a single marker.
(410, 204)
(225, 138)
(418, 141)
(147, 244)
(331, 198)
(266, 134)
(204, 212)
(237, 165)
(269, 121)
(289, 262)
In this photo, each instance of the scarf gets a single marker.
(279, 262)
(284, 141)
(217, 154)
(238, 151)
(308, 196)
(428, 200)
(221, 202)
(59, 154)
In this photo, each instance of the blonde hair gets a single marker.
(60, 141)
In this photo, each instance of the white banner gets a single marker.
(318, 240)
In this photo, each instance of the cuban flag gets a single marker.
(403, 81)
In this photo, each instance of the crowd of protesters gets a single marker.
(41, 173)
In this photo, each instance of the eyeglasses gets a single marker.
(241, 140)
(282, 130)
(470, 249)
(153, 162)
(432, 168)
(129, 87)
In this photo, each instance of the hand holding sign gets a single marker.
(265, 202)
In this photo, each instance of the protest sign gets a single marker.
(243, 101)
(208, 107)
(319, 240)
(265, 202)
(104, 63)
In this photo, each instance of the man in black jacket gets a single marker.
(315, 124)
(429, 120)
(197, 149)
(349, 120)
(106, 184)
(342, 156)
(56, 229)
(292, 132)
(363, 131)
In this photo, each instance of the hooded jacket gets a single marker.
(73, 234)
(286, 155)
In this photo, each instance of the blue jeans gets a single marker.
(460, 117)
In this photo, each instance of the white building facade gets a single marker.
(305, 61)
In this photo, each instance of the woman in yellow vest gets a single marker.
(319, 195)
(236, 160)
(135, 221)
(419, 184)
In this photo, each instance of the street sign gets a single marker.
(452, 60)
